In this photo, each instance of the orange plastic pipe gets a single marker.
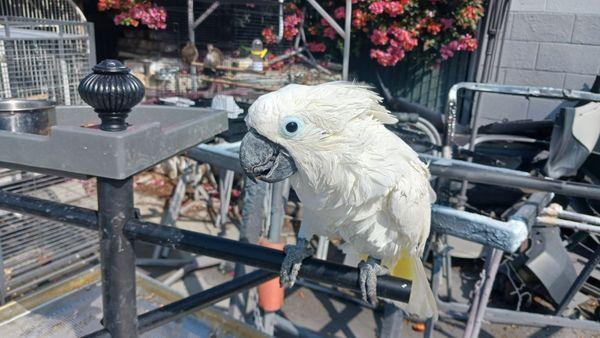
(270, 294)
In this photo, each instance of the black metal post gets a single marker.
(176, 310)
(117, 258)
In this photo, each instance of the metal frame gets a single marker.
(120, 229)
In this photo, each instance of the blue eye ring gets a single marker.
(291, 126)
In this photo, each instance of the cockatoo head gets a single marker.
(291, 126)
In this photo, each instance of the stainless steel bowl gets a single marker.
(27, 116)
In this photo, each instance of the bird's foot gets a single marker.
(294, 255)
(369, 271)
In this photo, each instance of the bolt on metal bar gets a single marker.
(176, 310)
(117, 257)
(261, 257)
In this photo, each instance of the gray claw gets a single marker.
(294, 255)
(369, 271)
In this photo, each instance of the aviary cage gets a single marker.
(45, 49)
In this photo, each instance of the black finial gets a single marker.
(112, 91)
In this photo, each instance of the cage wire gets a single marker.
(46, 48)
(231, 27)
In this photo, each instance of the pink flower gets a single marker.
(324, 22)
(468, 43)
(379, 37)
(268, 36)
(404, 37)
(389, 57)
(446, 52)
(393, 8)
(340, 13)
(377, 7)
(292, 20)
(329, 32)
(447, 23)
(359, 18)
(289, 33)
(316, 47)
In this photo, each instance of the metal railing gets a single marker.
(119, 231)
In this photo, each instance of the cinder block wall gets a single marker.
(553, 43)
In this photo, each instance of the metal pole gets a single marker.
(261, 257)
(279, 198)
(550, 221)
(347, 31)
(2, 279)
(117, 258)
(492, 270)
(555, 210)
(190, 13)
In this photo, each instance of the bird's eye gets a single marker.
(290, 126)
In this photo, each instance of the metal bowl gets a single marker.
(27, 116)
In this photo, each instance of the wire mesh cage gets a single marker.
(232, 26)
(46, 48)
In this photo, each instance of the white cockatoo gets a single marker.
(356, 179)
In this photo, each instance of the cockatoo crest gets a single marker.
(328, 107)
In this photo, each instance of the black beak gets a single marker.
(264, 160)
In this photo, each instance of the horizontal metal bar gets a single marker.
(472, 172)
(249, 254)
(502, 316)
(218, 156)
(550, 221)
(180, 308)
(441, 167)
(506, 236)
(261, 257)
(82, 217)
(556, 210)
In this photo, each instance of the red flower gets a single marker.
(339, 13)
(359, 18)
(434, 28)
(394, 8)
(468, 43)
(379, 37)
(377, 7)
(289, 33)
(404, 37)
(329, 32)
(316, 47)
(313, 30)
(268, 36)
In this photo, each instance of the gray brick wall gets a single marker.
(553, 43)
